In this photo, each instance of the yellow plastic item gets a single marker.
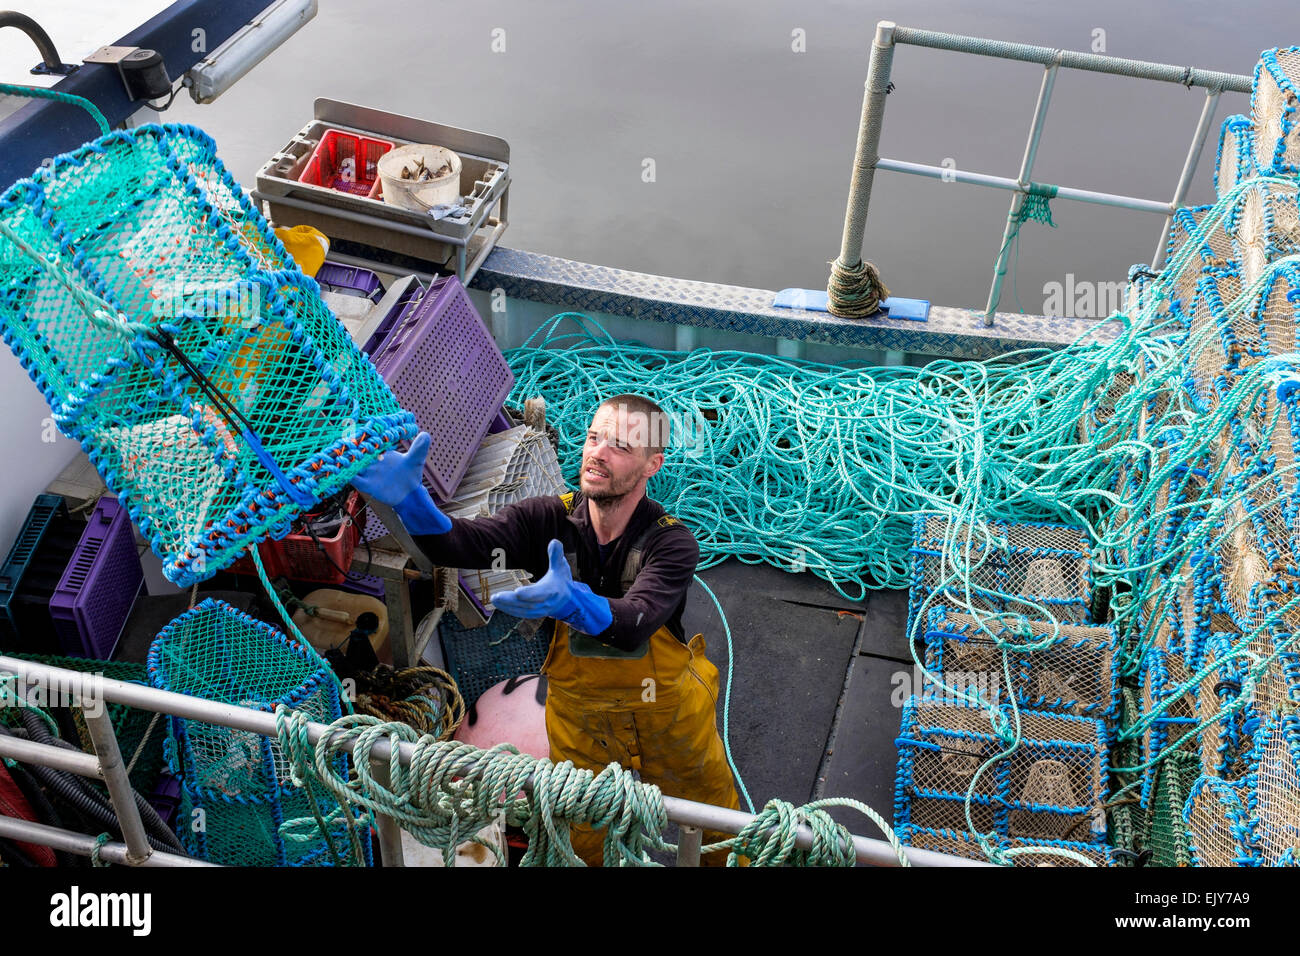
(308, 246)
(332, 628)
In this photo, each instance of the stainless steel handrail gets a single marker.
(92, 687)
(867, 158)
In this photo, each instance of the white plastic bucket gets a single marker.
(413, 195)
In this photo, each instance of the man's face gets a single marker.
(616, 456)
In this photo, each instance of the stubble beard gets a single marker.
(612, 496)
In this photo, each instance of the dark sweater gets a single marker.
(517, 537)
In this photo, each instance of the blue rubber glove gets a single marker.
(395, 480)
(557, 595)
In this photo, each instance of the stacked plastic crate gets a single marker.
(508, 467)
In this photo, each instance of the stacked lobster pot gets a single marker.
(1216, 722)
(1026, 568)
(1003, 611)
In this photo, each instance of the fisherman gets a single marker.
(612, 569)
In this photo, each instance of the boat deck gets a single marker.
(813, 704)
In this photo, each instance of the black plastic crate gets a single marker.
(30, 574)
(480, 657)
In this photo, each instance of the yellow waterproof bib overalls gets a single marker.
(652, 711)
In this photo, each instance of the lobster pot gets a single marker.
(1221, 830)
(1038, 570)
(174, 338)
(1275, 314)
(1206, 357)
(1235, 160)
(1266, 226)
(1240, 333)
(1051, 787)
(1275, 108)
(1025, 852)
(1224, 746)
(1265, 490)
(1242, 547)
(1276, 671)
(1195, 245)
(1169, 704)
(1277, 789)
(253, 814)
(1076, 674)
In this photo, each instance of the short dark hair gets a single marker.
(656, 418)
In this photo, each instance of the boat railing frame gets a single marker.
(867, 158)
(106, 765)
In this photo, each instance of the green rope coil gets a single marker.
(856, 290)
(451, 791)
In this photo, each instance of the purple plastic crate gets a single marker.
(370, 584)
(374, 529)
(95, 595)
(349, 280)
(166, 796)
(444, 367)
(398, 313)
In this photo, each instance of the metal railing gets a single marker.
(868, 159)
(106, 765)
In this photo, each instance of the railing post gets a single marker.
(688, 845)
(390, 834)
(868, 151)
(1018, 200)
(1189, 170)
(120, 793)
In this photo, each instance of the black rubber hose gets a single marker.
(37, 730)
(87, 803)
(88, 800)
(12, 855)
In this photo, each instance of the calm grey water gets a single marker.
(753, 142)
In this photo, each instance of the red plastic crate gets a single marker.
(299, 558)
(328, 164)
